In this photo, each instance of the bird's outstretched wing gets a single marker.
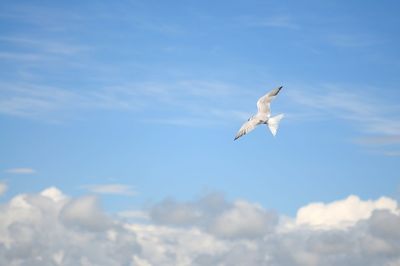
(263, 104)
(246, 128)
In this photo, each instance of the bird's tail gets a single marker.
(273, 123)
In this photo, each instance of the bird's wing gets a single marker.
(264, 102)
(246, 128)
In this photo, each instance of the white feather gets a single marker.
(262, 116)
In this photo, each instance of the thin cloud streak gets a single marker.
(111, 189)
(391, 153)
(202, 101)
(371, 115)
(3, 188)
(278, 21)
(379, 122)
(45, 46)
(350, 40)
(20, 171)
(28, 57)
(380, 140)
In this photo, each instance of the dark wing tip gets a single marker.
(277, 90)
(238, 136)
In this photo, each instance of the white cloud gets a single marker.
(54, 194)
(172, 213)
(243, 219)
(134, 214)
(343, 213)
(85, 213)
(51, 228)
(3, 188)
(371, 240)
(21, 171)
(215, 215)
(162, 245)
(116, 189)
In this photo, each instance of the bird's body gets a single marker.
(263, 116)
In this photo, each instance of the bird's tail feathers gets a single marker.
(273, 123)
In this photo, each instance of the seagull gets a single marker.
(263, 116)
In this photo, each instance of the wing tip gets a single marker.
(240, 134)
(275, 91)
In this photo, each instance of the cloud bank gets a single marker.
(50, 228)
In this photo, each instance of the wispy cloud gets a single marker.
(111, 189)
(51, 19)
(32, 100)
(21, 171)
(29, 57)
(55, 19)
(351, 40)
(391, 153)
(39, 55)
(44, 46)
(375, 118)
(45, 82)
(201, 101)
(3, 188)
(277, 21)
(380, 140)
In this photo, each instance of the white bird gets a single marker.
(263, 116)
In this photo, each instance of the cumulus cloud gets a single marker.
(342, 213)
(243, 219)
(134, 214)
(50, 228)
(214, 214)
(84, 213)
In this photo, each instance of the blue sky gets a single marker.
(138, 101)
